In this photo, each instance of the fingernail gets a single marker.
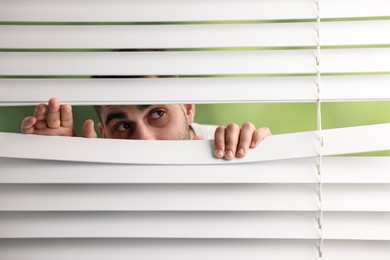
(241, 151)
(219, 153)
(229, 154)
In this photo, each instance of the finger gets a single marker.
(53, 115)
(198, 137)
(66, 116)
(246, 135)
(232, 135)
(259, 135)
(40, 116)
(88, 129)
(219, 142)
(28, 125)
(40, 112)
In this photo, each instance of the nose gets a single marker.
(144, 133)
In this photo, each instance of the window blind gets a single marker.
(290, 198)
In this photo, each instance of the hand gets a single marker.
(234, 141)
(54, 119)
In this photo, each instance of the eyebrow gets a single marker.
(142, 107)
(115, 115)
(121, 115)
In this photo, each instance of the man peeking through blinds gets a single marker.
(146, 122)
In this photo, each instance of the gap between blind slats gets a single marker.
(342, 170)
(151, 10)
(190, 63)
(261, 225)
(177, 249)
(18, 92)
(194, 36)
(283, 146)
(155, 197)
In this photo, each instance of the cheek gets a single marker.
(112, 134)
(176, 131)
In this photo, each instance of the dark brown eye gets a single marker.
(123, 127)
(156, 114)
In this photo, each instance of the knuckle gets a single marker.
(245, 140)
(53, 123)
(249, 127)
(41, 108)
(265, 131)
(219, 132)
(232, 127)
(220, 128)
(230, 145)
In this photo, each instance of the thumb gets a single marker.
(198, 137)
(88, 129)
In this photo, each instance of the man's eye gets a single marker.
(123, 127)
(156, 114)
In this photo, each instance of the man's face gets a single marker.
(147, 122)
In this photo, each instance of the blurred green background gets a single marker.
(280, 118)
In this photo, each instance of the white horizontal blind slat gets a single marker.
(336, 141)
(367, 138)
(155, 63)
(355, 32)
(353, 170)
(354, 8)
(157, 36)
(194, 36)
(177, 249)
(357, 225)
(158, 90)
(220, 90)
(356, 197)
(42, 171)
(155, 197)
(146, 151)
(152, 10)
(355, 60)
(368, 170)
(359, 250)
(355, 88)
(261, 225)
(189, 63)
(289, 225)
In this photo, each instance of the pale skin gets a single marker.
(146, 122)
